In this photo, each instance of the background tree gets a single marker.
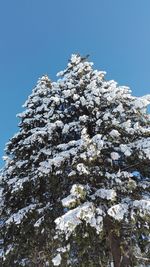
(76, 179)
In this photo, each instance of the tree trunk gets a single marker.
(114, 241)
(120, 249)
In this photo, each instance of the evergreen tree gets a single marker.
(75, 187)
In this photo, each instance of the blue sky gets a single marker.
(38, 36)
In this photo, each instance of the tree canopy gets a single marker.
(75, 185)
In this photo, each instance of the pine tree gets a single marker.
(75, 186)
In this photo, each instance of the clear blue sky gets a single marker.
(38, 36)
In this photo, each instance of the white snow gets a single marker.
(114, 133)
(39, 221)
(18, 216)
(97, 139)
(115, 156)
(108, 194)
(143, 206)
(142, 102)
(143, 146)
(75, 59)
(118, 211)
(87, 212)
(81, 168)
(18, 183)
(57, 260)
(78, 192)
(69, 201)
(126, 149)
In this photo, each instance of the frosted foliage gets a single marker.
(115, 156)
(38, 222)
(118, 211)
(108, 194)
(144, 147)
(76, 175)
(81, 168)
(86, 212)
(142, 102)
(69, 201)
(114, 133)
(143, 207)
(78, 193)
(57, 260)
(17, 217)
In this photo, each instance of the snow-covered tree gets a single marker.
(75, 187)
